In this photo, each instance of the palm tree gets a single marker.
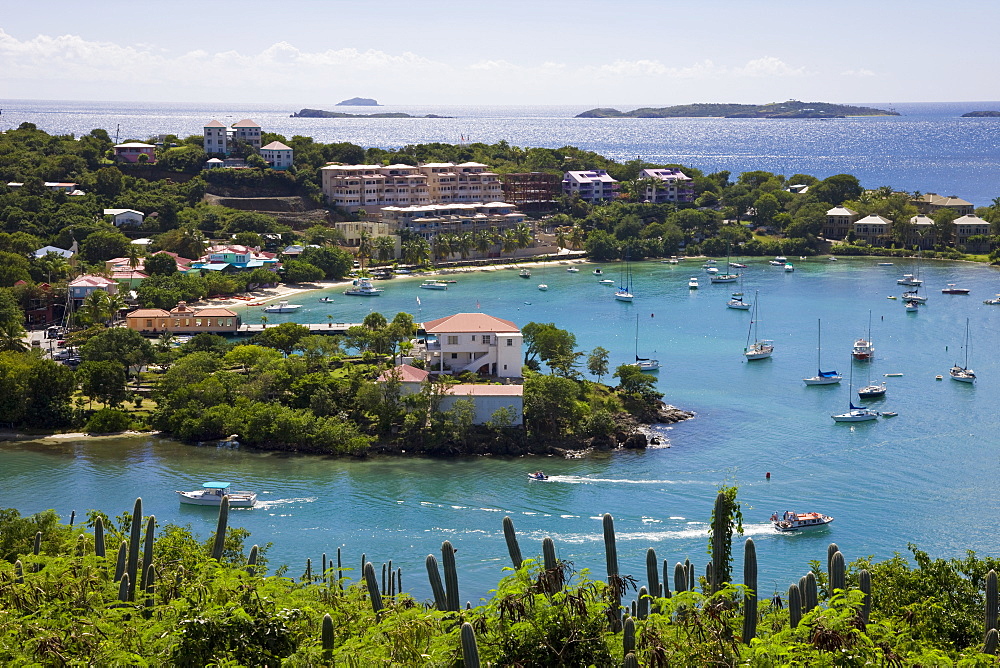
(465, 242)
(95, 309)
(12, 337)
(576, 237)
(416, 251)
(134, 260)
(442, 246)
(164, 341)
(508, 242)
(364, 249)
(561, 237)
(385, 248)
(53, 264)
(193, 242)
(524, 235)
(483, 241)
(263, 321)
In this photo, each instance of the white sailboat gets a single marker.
(726, 277)
(644, 363)
(855, 413)
(624, 291)
(821, 377)
(964, 374)
(760, 348)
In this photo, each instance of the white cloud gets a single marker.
(769, 66)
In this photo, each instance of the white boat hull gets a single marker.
(791, 526)
(281, 309)
(822, 380)
(724, 278)
(624, 296)
(861, 415)
(648, 365)
(236, 499)
(739, 306)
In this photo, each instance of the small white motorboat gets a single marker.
(282, 307)
(326, 300)
(789, 267)
(885, 264)
(992, 302)
(537, 475)
(434, 285)
(543, 287)
(211, 494)
(693, 283)
(606, 281)
(909, 279)
(524, 273)
(952, 290)
(363, 287)
(799, 521)
(572, 270)
(912, 306)
(598, 272)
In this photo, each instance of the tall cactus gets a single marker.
(549, 554)
(340, 570)
(513, 548)
(680, 578)
(450, 575)
(653, 573)
(642, 611)
(18, 572)
(132, 567)
(991, 600)
(37, 548)
(123, 588)
(810, 595)
(630, 661)
(628, 636)
(399, 579)
(865, 584)
(470, 650)
(372, 584)
(838, 572)
(220, 529)
(252, 560)
(708, 577)
(147, 548)
(666, 579)
(99, 548)
(434, 576)
(990, 646)
(794, 606)
(750, 596)
(611, 556)
(831, 550)
(327, 638)
(720, 536)
(149, 584)
(121, 562)
(72, 517)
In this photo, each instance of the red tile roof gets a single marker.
(485, 390)
(148, 313)
(470, 322)
(404, 373)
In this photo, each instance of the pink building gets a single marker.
(131, 152)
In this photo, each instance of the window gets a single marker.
(149, 323)
(197, 322)
(229, 322)
(454, 356)
(486, 338)
(177, 322)
(510, 343)
(452, 340)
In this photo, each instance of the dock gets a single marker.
(314, 328)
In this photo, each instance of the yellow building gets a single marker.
(183, 320)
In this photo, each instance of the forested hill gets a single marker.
(790, 109)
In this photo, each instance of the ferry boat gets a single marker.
(282, 307)
(363, 287)
(799, 521)
(434, 285)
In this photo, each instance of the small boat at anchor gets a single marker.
(572, 270)
(909, 279)
(606, 281)
(434, 285)
(693, 283)
(543, 287)
(952, 290)
(282, 307)
(799, 521)
(326, 300)
(211, 494)
(537, 475)
(524, 273)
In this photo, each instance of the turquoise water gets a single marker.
(928, 476)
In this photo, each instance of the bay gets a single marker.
(928, 476)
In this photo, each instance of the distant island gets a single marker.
(789, 109)
(359, 102)
(320, 113)
(982, 114)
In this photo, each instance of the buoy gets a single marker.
(767, 476)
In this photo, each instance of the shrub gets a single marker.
(108, 421)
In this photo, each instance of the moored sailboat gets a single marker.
(760, 348)
(644, 363)
(963, 374)
(821, 377)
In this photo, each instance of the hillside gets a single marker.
(789, 109)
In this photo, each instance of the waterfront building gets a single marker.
(486, 399)
(235, 258)
(872, 229)
(474, 342)
(667, 185)
(928, 203)
(183, 320)
(838, 222)
(133, 151)
(371, 187)
(277, 155)
(353, 230)
(433, 219)
(125, 217)
(922, 233)
(592, 186)
(971, 225)
(463, 183)
(532, 191)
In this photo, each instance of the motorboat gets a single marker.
(537, 475)
(864, 348)
(888, 414)
(572, 270)
(211, 494)
(963, 374)
(524, 273)
(326, 300)
(915, 296)
(821, 377)
(598, 272)
(799, 521)
(910, 279)
(892, 297)
(363, 287)
(709, 263)
(832, 259)
(543, 287)
(789, 267)
(282, 307)
(992, 302)
(884, 264)
(434, 285)
(911, 306)
(778, 261)
(760, 348)
(712, 270)
(693, 283)
(873, 391)
(738, 304)
(643, 363)
(952, 290)
(606, 281)
(737, 265)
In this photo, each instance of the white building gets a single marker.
(969, 225)
(462, 183)
(592, 186)
(277, 155)
(672, 185)
(219, 139)
(873, 229)
(474, 342)
(487, 399)
(371, 187)
(125, 217)
(433, 219)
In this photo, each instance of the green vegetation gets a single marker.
(131, 591)
(789, 109)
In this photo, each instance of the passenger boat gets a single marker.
(537, 475)
(952, 290)
(363, 287)
(864, 349)
(282, 307)
(434, 285)
(909, 279)
(799, 521)
(211, 494)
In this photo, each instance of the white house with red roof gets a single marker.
(277, 155)
(487, 399)
(220, 139)
(474, 342)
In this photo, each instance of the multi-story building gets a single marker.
(371, 187)
(928, 203)
(922, 233)
(473, 342)
(873, 229)
(433, 219)
(247, 131)
(463, 183)
(183, 320)
(532, 191)
(352, 230)
(970, 225)
(838, 222)
(278, 155)
(676, 186)
(235, 258)
(593, 186)
(220, 140)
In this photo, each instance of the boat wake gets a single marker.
(584, 480)
(692, 530)
(274, 503)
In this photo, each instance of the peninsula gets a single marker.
(789, 109)
(982, 114)
(320, 113)
(359, 102)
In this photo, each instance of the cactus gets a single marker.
(99, 537)
(372, 584)
(794, 606)
(990, 646)
(831, 550)
(132, 566)
(384, 589)
(340, 570)
(652, 573)
(628, 636)
(81, 545)
(120, 564)
(18, 572)
(390, 578)
(865, 584)
(220, 529)
(450, 575)
(399, 580)
(549, 554)
(512, 546)
(364, 560)
(708, 576)
(690, 572)
(123, 588)
(680, 578)
(470, 651)
(72, 517)
(809, 595)
(720, 525)
(643, 608)
(327, 635)
(838, 573)
(38, 544)
(252, 560)
(324, 575)
(147, 548)
(666, 580)
(991, 600)
(149, 580)
(308, 575)
(630, 661)
(750, 596)
(610, 547)
(434, 575)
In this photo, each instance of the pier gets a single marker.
(314, 328)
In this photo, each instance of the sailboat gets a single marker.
(821, 377)
(855, 413)
(726, 277)
(624, 291)
(760, 348)
(736, 302)
(963, 373)
(644, 363)
(864, 349)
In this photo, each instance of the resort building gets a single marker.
(968, 226)
(277, 155)
(82, 286)
(183, 320)
(922, 233)
(473, 342)
(838, 222)
(220, 140)
(125, 217)
(533, 191)
(591, 186)
(371, 187)
(68, 188)
(676, 186)
(433, 219)
(134, 151)
(353, 230)
(487, 399)
(463, 183)
(928, 203)
(247, 131)
(235, 258)
(872, 229)
(124, 273)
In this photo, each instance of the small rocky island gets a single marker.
(320, 113)
(789, 109)
(359, 102)
(982, 114)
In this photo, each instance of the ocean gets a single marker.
(929, 148)
(928, 477)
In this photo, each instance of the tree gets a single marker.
(160, 264)
(765, 208)
(416, 251)
(837, 189)
(53, 264)
(104, 381)
(118, 344)
(297, 271)
(631, 380)
(385, 248)
(13, 268)
(12, 336)
(601, 246)
(188, 159)
(284, 337)
(335, 262)
(597, 362)
(548, 344)
(104, 245)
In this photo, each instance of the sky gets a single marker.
(432, 52)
